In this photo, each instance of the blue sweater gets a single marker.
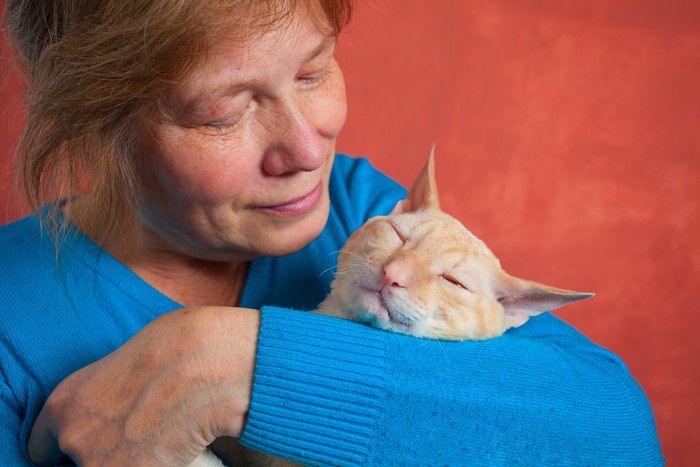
(329, 391)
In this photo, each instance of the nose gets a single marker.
(295, 144)
(400, 273)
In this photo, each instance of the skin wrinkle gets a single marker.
(205, 184)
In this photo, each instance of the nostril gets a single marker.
(399, 273)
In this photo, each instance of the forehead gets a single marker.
(237, 58)
(265, 26)
(442, 233)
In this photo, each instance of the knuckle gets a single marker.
(69, 441)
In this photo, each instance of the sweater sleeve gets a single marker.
(333, 392)
(10, 417)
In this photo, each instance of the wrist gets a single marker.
(319, 387)
(223, 342)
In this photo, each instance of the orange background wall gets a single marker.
(568, 138)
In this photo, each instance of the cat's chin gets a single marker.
(385, 323)
(373, 310)
(370, 308)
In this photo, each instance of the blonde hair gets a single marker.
(95, 71)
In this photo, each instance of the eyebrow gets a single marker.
(229, 89)
(325, 44)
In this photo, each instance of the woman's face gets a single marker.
(238, 164)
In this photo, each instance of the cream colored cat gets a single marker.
(418, 271)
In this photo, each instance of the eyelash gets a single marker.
(226, 126)
(314, 79)
(222, 127)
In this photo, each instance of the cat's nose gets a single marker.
(399, 273)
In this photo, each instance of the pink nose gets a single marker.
(400, 273)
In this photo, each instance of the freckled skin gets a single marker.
(254, 127)
(235, 165)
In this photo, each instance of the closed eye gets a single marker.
(454, 281)
(398, 233)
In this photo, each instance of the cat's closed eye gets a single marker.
(401, 236)
(451, 285)
(454, 281)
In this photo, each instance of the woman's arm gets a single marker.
(159, 399)
(333, 392)
(10, 418)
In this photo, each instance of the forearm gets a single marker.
(160, 398)
(343, 394)
(10, 420)
(313, 401)
(225, 339)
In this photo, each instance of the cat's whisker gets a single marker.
(344, 269)
(348, 268)
(343, 273)
(352, 253)
(329, 269)
(364, 252)
(352, 271)
(439, 343)
(443, 262)
(332, 253)
(336, 252)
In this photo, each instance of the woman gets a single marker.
(183, 153)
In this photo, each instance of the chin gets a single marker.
(290, 237)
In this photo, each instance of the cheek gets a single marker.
(196, 167)
(469, 317)
(330, 105)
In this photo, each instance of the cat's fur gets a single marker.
(419, 271)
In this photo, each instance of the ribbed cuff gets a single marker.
(318, 388)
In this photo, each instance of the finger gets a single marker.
(43, 445)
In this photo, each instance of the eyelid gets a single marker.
(226, 125)
(314, 78)
(454, 281)
(225, 122)
(318, 67)
(398, 232)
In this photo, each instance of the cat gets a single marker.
(419, 271)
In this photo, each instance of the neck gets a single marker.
(187, 280)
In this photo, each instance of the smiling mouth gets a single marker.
(297, 206)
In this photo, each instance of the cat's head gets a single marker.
(419, 271)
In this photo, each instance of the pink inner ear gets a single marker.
(402, 207)
(423, 194)
(527, 298)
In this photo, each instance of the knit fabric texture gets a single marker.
(329, 391)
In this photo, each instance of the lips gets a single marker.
(297, 206)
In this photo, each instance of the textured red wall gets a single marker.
(11, 115)
(568, 138)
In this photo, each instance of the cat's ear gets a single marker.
(522, 298)
(423, 194)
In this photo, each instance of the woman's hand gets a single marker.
(159, 399)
